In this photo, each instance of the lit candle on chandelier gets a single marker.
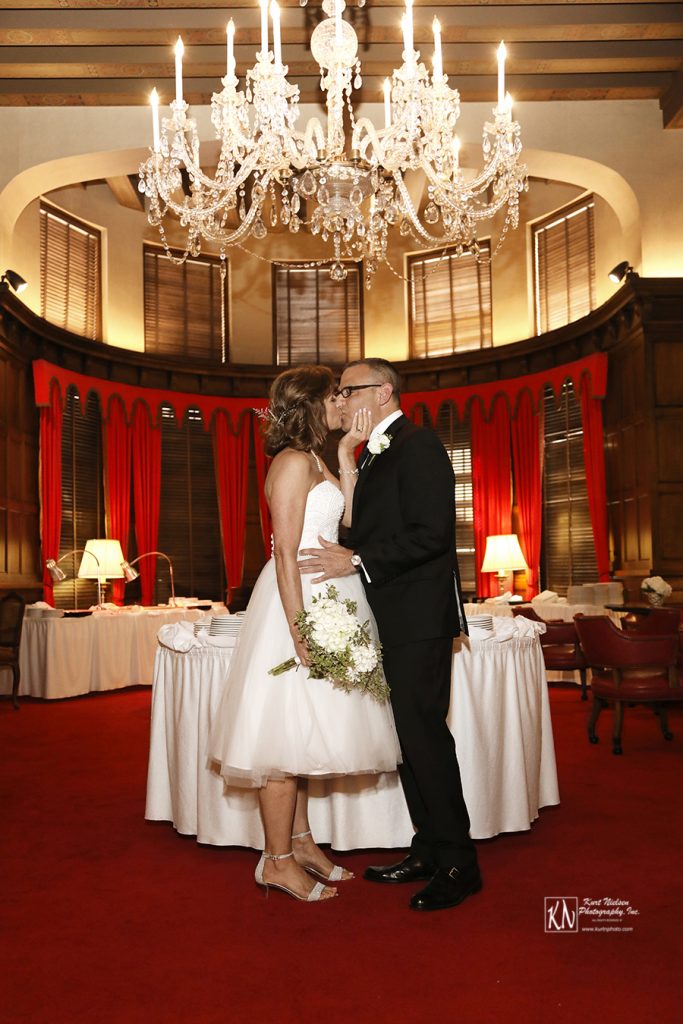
(438, 62)
(179, 51)
(456, 153)
(277, 46)
(508, 104)
(387, 103)
(337, 22)
(502, 53)
(264, 28)
(154, 100)
(408, 31)
(231, 48)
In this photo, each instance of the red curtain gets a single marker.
(50, 485)
(231, 457)
(491, 483)
(527, 437)
(146, 494)
(117, 467)
(262, 464)
(594, 459)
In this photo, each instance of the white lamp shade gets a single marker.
(108, 554)
(503, 554)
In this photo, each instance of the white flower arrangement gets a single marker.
(378, 443)
(340, 646)
(656, 585)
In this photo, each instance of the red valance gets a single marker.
(45, 374)
(592, 368)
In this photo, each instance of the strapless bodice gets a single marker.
(324, 509)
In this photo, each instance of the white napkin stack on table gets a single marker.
(545, 595)
(501, 599)
(178, 636)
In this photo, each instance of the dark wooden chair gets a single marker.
(560, 645)
(12, 608)
(628, 669)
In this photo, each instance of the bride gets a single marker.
(276, 732)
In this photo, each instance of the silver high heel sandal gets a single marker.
(314, 895)
(335, 875)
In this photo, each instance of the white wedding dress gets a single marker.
(274, 726)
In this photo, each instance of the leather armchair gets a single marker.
(628, 669)
(12, 607)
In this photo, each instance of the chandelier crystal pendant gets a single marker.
(270, 172)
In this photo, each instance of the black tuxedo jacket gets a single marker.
(403, 527)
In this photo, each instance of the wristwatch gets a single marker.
(356, 560)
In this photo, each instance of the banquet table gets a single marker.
(65, 657)
(499, 716)
(548, 610)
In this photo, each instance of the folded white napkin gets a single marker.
(545, 595)
(39, 604)
(528, 627)
(178, 636)
(501, 599)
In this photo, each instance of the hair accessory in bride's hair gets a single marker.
(268, 414)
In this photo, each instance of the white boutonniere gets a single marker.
(377, 444)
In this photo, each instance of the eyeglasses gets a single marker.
(347, 391)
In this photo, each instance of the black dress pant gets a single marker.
(419, 675)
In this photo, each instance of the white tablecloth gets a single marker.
(103, 651)
(499, 715)
(545, 610)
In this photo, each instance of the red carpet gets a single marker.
(108, 918)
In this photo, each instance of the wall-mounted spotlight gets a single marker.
(14, 280)
(620, 272)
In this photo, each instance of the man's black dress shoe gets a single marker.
(412, 869)
(447, 889)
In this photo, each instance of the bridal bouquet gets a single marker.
(340, 646)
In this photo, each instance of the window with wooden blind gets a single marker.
(82, 496)
(455, 437)
(70, 272)
(316, 319)
(449, 302)
(564, 266)
(568, 555)
(186, 306)
(189, 530)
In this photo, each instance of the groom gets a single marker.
(403, 545)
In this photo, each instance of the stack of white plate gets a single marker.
(481, 622)
(225, 625)
(202, 626)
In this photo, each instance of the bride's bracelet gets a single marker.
(348, 472)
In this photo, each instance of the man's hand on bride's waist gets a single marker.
(330, 561)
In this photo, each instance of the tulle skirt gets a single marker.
(277, 726)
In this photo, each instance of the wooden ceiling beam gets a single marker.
(124, 189)
(672, 103)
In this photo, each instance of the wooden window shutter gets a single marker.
(449, 302)
(82, 495)
(316, 319)
(568, 556)
(564, 266)
(189, 529)
(70, 273)
(183, 307)
(455, 437)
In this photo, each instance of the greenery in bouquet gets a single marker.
(340, 647)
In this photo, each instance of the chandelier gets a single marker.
(344, 182)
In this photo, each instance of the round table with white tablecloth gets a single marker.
(499, 716)
(68, 656)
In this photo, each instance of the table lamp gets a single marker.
(503, 555)
(108, 556)
(58, 575)
(132, 574)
